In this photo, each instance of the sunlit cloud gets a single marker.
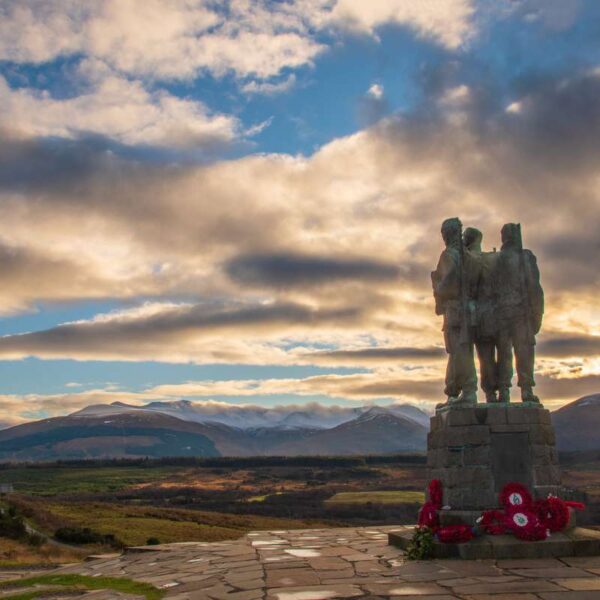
(119, 109)
(163, 38)
(179, 38)
(447, 21)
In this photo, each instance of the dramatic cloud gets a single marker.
(180, 38)
(446, 21)
(21, 267)
(378, 355)
(119, 109)
(557, 392)
(570, 345)
(163, 38)
(359, 387)
(173, 332)
(279, 270)
(283, 232)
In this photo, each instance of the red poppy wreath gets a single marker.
(455, 534)
(515, 494)
(428, 516)
(436, 493)
(553, 513)
(492, 522)
(525, 524)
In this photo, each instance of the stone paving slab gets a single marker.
(339, 563)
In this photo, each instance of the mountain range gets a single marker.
(185, 428)
(248, 416)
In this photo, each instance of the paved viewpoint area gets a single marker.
(340, 563)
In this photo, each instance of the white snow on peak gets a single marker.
(244, 416)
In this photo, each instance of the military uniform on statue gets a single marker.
(452, 290)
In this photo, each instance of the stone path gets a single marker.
(339, 563)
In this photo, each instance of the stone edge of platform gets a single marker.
(493, 405)
(577, 542)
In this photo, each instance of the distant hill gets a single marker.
(577, 425)
(377, 431)
(180, 429)
(128, 434)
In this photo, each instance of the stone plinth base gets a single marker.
(475, 451)
(574, 542)
(469, 517)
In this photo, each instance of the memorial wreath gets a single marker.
(525, 518)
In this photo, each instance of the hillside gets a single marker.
(377, 431)
(577, 425)
(118, 435)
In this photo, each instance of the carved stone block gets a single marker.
(475, 451)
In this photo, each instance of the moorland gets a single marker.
(76, 508)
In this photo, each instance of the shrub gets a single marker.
(36, 540)
(12, 524)
(421, 545)
(152, 541)
(85, 535)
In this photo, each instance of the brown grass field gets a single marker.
(14, 554)
(133, 525)
(211, 503)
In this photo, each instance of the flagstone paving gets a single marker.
(338, 563)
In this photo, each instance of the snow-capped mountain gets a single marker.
(311, 416)
(196, 429)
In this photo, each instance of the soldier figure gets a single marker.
(486, 330)
(519, 302)
(451, 289)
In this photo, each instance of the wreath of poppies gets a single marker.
(525, 518)
(492, 522)
(435, 493)
(428, 516)
(455, 534)
(515, 494)
(554, 513)
(525, 524)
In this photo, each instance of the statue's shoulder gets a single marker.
(452, 253)
(489, 258)
(448, 258)
(488, 261)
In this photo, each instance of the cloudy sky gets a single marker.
(240, 200)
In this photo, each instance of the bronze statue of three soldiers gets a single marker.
(491, 302)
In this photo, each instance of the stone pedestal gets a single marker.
(475, 451)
